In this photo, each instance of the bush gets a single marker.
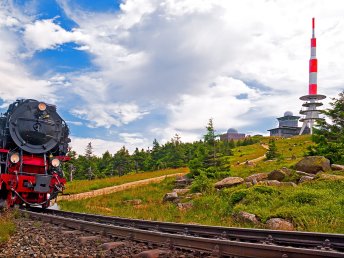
(202, 184)
(237, 196)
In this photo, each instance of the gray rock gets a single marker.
(313, 164)
(228, 182)
(337, 167)
(182, 182)
(305, 179)
(279, 224)
(277, 174)
(287, 171)
(256, 177)
(170, 197)
(243, 216)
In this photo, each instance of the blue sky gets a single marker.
(126, 72)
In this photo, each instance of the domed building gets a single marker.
(232, 134)
(287, 126)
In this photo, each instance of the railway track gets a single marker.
(219, 241)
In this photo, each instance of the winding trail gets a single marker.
(116, 188)
(265, 146)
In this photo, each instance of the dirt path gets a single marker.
(265, 146)
(116, 188)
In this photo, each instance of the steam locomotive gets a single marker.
(33, 144)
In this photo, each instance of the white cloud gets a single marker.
(109, 114)
(79, 144)
(45, 34)
(133, 139)
(182, 62)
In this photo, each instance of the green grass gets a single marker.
(314, 206)
(7, 226)
(287, 147)
(80, 186)
(243, 153)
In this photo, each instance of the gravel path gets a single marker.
(116, 188)
(39, 239)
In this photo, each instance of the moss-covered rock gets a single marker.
(313, 164)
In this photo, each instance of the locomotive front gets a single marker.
(33, 143)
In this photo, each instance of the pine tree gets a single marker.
(272, 151)
(329, 137)
(89, 151)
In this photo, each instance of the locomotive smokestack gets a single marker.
(313, 64)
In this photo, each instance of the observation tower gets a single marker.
(312, 100)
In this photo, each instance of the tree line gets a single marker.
(209, 155)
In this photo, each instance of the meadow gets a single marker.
(80, 186)
(312, 206)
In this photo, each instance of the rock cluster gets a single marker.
(273, 223)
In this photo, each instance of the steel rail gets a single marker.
(218, 247)
(285, 238)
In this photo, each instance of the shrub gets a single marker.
(202, 184)
(238, 195)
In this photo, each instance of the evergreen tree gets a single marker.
(272, 151)
(89, 151)
(329, 137)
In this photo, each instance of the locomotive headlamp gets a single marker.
(15, 158)
(55, 163)
(42, 106)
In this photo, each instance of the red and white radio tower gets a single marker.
(312, 100)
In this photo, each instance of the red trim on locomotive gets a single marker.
(23, 182)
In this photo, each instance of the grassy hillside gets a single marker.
(312, 206)
(80, 186)
(315, 206)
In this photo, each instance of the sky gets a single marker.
(123, 73)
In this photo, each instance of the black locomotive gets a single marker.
(33, 143)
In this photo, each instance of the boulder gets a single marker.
(182, 181)
(228, 182)
(269, 183)
(277, 174)
(313, 164)
(287, 171)
(170, 197)
(256, 177)
(305, 179)
(279, 224)
(243, 216)
(337, 167)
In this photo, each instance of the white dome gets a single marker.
(288, 113)
(232, 130)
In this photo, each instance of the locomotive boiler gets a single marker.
(33, 144)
